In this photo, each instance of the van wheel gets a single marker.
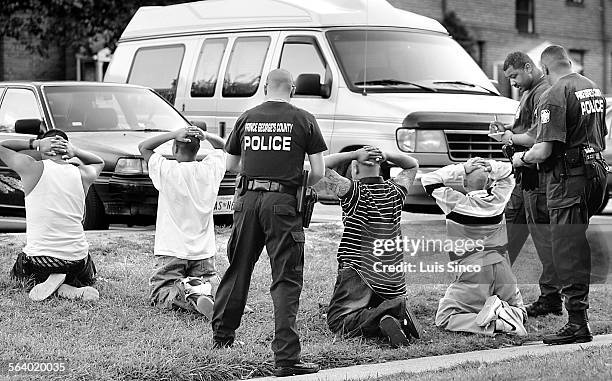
(95, 217)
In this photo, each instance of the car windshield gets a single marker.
(110, 108)
(406, 61)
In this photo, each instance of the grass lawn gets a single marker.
(121, 337)
(587, 364)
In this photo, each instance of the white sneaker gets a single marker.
(508, 324)
(45, 289)
(195, 286)
(87, 293)
(489, 311)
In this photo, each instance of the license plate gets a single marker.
(224, 205)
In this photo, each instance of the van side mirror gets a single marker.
(28, 126)
(199, 123)
(310, 84)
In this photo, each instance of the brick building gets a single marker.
(584, 27)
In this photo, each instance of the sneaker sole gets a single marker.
(569, 340)
(413, 326)
(391, 328)
(487, 313)
(205, 306)
(45, 289)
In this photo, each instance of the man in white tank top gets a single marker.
(185, 237)
(56, 254)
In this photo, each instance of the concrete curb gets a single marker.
(423, 364)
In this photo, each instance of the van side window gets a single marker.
(245, 65)
(207, 69)
(301, 55)
(17, 104)
(158, 68)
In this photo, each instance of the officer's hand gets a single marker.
(496, 126)
(506, 137)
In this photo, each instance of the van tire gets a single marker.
(95, 217)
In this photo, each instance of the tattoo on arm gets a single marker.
(335, 183)
(406, 177)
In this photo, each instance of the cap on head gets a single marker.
(476, 180)
(54, 132)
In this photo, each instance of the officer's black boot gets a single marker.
(543, 307)
(296, 369)
(577, 330)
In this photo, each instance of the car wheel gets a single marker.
(95, 217)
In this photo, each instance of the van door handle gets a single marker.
(222, 129)
(183, 108)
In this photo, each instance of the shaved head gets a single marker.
(555, 57)
(476, 180)
(279, 83)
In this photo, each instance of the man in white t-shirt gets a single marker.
(185, 237)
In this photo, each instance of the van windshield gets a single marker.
(406, 61)
(110, 108)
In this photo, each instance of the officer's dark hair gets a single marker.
(190, 148)
(54, 132)
(517, 60)
(556, 54)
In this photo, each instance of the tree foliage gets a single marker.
(85, 25)
(457, 29)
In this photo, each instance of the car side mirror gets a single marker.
(198, 123)
(310, 84)
(28, 126)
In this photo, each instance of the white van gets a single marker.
(369, 72)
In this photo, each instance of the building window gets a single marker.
(577, 56)
(525, 16)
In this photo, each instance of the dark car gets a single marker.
(107, 119)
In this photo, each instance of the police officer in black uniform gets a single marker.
(571, 133)
(526, 212)
(267, 148)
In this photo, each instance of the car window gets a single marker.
(17, 104)
(109, 108)
(207, 69)
(158, 68)
(302, 57)
(243, 73)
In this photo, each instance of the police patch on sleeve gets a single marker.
(544, 116)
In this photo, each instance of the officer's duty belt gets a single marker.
(269, 186)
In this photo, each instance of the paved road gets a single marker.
(322, 214)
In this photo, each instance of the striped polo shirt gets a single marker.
(372, 210)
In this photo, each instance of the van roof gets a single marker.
(217, 15)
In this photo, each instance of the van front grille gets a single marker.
(465, 145)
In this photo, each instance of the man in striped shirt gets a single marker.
(367, 301)
(487, 299)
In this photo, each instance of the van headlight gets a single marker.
(412, 140)
(131, 166)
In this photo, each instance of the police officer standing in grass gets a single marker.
(569, 142)
(267, 148)
(526, 212)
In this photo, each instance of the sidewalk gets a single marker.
(423, 364)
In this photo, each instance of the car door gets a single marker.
(199, 103)
(301, 53)
(16, 103)
(244, 75)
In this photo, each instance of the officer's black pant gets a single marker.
(527, 213)
(270, 219)
(572, 200)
